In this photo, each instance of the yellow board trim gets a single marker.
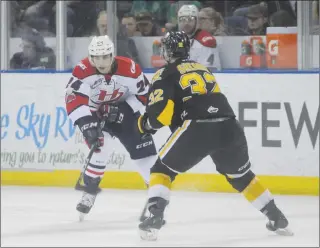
(188, 181)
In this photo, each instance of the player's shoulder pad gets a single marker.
(83, 69)
(127, 67)
(164, 73)
(206, 39)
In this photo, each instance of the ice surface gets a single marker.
(41, 216)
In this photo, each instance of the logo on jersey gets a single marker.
(206, 38)
(97, 83)
(212, 110)
(157, 76)
(104, 96)
(133, 67)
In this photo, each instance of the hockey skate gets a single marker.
(85, 204)
(146, 214)
(150, 227)
(277, 223)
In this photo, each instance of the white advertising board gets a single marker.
(280, 113)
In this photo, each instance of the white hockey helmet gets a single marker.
(101, 45)
(99, 48)
(188, 11)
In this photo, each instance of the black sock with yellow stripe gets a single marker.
(252, 189)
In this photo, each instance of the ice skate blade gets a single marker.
(81, 217)
(149, 235)
(284, 232)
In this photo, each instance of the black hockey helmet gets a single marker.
(175, 45)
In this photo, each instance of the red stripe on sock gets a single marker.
(95, 172)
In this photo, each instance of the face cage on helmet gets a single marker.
(164, 53)
(194, 28)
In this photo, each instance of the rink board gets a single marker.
(279, 112)
(190, 182)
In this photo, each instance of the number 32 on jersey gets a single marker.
(155, 96)
(200, 84)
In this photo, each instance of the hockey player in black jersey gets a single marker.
(186, 97)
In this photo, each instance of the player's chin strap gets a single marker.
(78, 185)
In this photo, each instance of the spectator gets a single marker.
(147, 26)
(282, 18)
(125, 46)
(236, 25)
(123, 8)
(212, 22)
(82, 16)
(15, 19)
(35, 54)
(315, 30)
(315, 12)
(102, 23)
(40, 16)
(257, 19)
(158, 9)
(129, 21)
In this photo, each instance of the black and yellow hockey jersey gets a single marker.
(185, 90)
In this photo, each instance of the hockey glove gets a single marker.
(110, 113)
(93, 135)
(144, 126)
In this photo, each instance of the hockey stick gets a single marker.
(143, 214)
(79, 186)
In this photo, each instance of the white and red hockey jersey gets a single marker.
(87, 88)
(204, 49)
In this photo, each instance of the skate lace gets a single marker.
(88, 199)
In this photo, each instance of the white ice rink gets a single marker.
(32, 216)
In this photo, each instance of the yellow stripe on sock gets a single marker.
(254, 190)
(160, 178)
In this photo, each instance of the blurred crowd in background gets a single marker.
(32, 21)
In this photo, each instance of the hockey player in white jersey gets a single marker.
(114, 88)
(204, 48)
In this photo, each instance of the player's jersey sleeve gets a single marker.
(160, 106)
(130, 75)
(77, 97)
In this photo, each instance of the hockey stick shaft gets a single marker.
(86, 163)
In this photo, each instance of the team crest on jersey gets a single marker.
(105, 96)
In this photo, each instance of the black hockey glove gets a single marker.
(110, 113)
(92, 135)
(144, 126)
